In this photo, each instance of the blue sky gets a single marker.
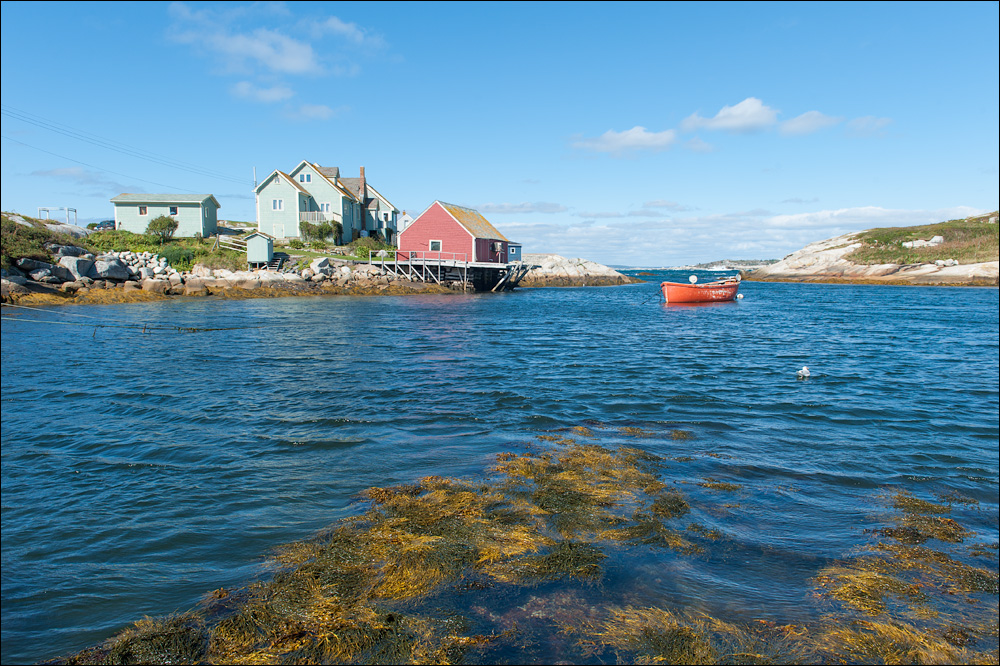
(634, 134)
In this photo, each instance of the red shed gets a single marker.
(456, 233)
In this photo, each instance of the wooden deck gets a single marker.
(441, 267)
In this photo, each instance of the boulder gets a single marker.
(70, 287)
(107, 267)
(199, 270)
(76, 265)
(321, 265)
(132, 286)
(145, 273)
(68, 229)
(175, 279)
(12, 287)
(155, 286)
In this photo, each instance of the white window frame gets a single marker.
(143, 210)
(173, 210)
(277, 204)
(430, 246)
(324, 207)
(305, 177)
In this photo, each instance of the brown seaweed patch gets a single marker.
(655, 636)
(905, 501)
(681, 435)
(178, 639)
(702, 531)
(715, 484)
(871, 642)
(583, 431)
(669, 505)
(566, 559)
(916, 529)
(954, 497)
(633, 431)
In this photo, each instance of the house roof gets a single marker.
(165, 199)
(472, 220)
(329, 172)
(332, 176)
(259, 233)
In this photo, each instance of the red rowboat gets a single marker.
(720, 290)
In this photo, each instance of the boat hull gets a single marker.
(711, 292)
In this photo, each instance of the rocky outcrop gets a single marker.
(552, 270)
(825, 261)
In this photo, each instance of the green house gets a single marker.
(195, 213)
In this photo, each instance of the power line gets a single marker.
(109, 144)
(123, 175)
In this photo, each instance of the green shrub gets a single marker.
(317, 245)
(362, 246)
(19, 241)
(163, 227)
(296, 244)
(179, 257)
(308, 230)
(119, 241)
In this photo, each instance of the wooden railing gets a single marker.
(319, 216)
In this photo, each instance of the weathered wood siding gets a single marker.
(485, 252)
(436, 224)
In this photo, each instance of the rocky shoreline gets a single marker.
(825, 261)
(81, 277)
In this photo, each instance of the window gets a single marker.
(435, 246)
(142, 210)
(305, 177)
(324, 207)
(277, 204)
(173, 210)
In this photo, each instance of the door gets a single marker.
(279, 230)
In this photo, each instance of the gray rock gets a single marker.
(321, 265)
(132, 286)
(76, 265)
(155, 286)
(28, 265)
(68, 251)
(11, 288)
(68, 229)
(175, 279)
(108, 268)
(12, 271)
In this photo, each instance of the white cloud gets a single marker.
(636, 139)
(754, 234)
(315, 112)
(521, 208)
(696, 145)
(750, 115)
(809, 122)
(800, 200)
(669, 205)
(247, 90)
(868, 126)
(100, 184)
(348, 31)
(262, 48)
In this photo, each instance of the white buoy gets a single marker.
(739, 296)
(803, 373)
(693, 279)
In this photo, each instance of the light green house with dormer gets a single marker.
(195, 213)
(315, 194)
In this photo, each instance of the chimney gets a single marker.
(363, 189)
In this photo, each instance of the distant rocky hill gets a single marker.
(553, 270)
(957, 252)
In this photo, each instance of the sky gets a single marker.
(647, 134)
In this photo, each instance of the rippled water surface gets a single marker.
(142, 470)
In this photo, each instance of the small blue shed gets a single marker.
(260, 249)
(513, 252)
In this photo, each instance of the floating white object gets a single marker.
(803, 373)
(739, 296)
(693, 279)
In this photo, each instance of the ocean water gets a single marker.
(141, 470)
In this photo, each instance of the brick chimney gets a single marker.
(363, 188)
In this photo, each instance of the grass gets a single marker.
(19, 241)
(968, 241)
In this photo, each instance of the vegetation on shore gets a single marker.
(510, 568)
(18, 241)
(967, 241)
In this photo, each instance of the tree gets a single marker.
(163, 227)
